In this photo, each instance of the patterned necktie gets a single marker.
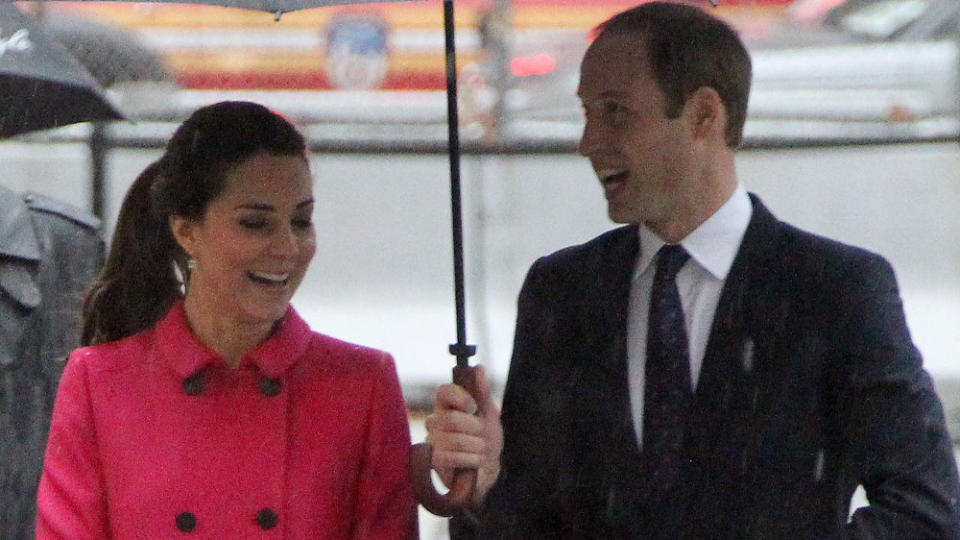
(667, 390)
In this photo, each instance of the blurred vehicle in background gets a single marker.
(862, 70)
(824, 70)
(396, 42)
(390, 49)
(827, 71)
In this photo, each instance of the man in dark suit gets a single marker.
(739, 383)
(49, 254)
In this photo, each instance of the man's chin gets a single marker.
(621, 217)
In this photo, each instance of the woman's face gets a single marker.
(254, 242)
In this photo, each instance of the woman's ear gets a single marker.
(184, 232)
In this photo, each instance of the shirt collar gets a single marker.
(185, 354)
(714, 244)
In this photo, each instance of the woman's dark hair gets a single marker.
(139, 282)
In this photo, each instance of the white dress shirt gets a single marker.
(712, 247)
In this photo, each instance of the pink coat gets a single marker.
(154, 437)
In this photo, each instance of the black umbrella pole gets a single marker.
(464, 481)
(460, 349)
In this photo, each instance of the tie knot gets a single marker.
(671, 259)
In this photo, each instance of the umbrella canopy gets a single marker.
(112, 55)
(41, 85)
(277, 7)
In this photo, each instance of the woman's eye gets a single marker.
(253, 224)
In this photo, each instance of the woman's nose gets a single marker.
(285, 242)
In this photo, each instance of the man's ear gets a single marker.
(706, 111)
(184, 232)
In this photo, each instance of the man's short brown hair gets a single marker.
(689, 49)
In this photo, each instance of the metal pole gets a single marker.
(460, 349)
(98, 158)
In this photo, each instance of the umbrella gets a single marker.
(463, 374)
(113, 56)
(41, 85)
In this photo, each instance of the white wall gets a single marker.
(382, 274)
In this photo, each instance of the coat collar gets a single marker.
(17, 237)
(185, 354)
(18, 240)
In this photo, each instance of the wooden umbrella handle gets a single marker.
(421, 459)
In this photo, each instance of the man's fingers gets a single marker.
(457, 443)
(463, 440)
(449, 461)
(488, 407)
(446, 463)
(452, 422)
(453, 397)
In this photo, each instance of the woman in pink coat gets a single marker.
(204, 406)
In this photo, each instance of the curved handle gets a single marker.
(449, 503)
(421, 458)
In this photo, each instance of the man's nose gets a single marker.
(588, 140)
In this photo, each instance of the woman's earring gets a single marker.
(191, 264)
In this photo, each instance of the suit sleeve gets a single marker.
(71, 501)
(891, 417)
(385, 504)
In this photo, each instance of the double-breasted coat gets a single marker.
(810, 386)
(154, 437)
(50, 252)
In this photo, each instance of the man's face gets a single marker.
(641, 157)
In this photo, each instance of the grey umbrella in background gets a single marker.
(41, 85)
(113, 56)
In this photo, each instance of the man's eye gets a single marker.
(304, 223)
(614, 113)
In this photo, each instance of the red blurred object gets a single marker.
(526, 66)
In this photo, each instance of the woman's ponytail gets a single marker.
(138, 282)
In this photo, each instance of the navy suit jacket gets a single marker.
(810, 386)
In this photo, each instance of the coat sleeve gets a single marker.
(71, 501)
(891, 417)
(385, 504)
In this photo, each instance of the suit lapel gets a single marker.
(601, 436)
(613, 274)
(745, 303)
(729, 403)
(603, 334)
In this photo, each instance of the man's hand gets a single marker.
(466, 434)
